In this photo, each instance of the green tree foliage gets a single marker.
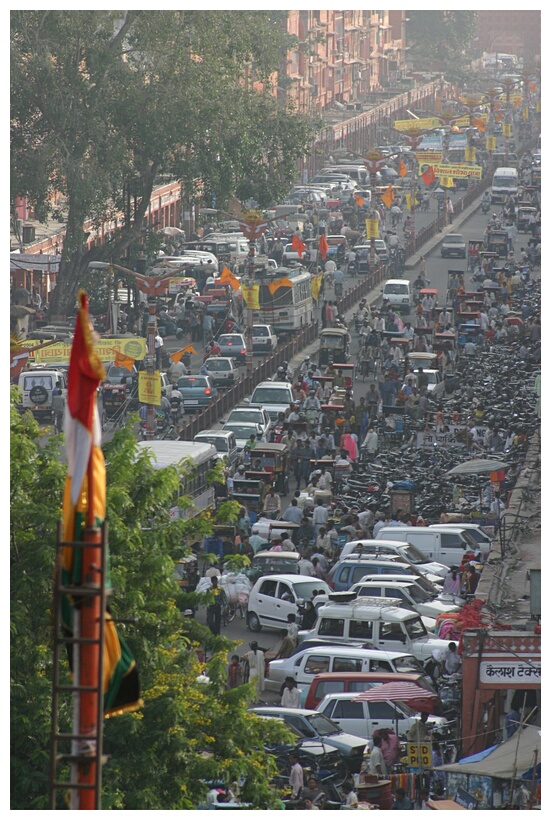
(189, 730)
(104, 102)
(441, 40)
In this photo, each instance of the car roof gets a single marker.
(286, 709)
(368, 676)
(279, 554)
(274, 384)
(287, 577)
(218, 359)
(350, 651)
(210, 432)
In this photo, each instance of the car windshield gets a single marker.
(454, 237)
(417, 595)
(218, 364)
(322, 725)
(241, 430)
(190, 382)
(305, 589)
(407, 663)
(260, 331)
(415, 628)
(251, 415)
(397, 288)
(230, 338)
(117, 373)
(471, 540)
(413, 554)
(35, 380)
(332, 342)
(272, 395)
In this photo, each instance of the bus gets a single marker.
(194, 483)
(288, 309)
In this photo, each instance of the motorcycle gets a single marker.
(486, 206)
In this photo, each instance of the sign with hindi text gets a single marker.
(457, 171)
(60, 352)
(510, 672)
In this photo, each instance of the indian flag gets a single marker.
(84, 505)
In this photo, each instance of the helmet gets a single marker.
(280, 370)
(285, 364)
(241, 468)
(307, 358)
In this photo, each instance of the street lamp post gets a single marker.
(152, 286)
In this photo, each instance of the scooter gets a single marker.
(485, 206)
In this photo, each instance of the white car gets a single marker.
(242, 432)
(264, 338)
(251, 415)
(361, 718)
(434, 378)
(273, 597)
(222, 371)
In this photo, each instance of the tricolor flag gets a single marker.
(227, 278)
(124, 361)
(323, 246)
(388, 196)
(177, 355)
(298, 245)
(402, 170)
(84, 504)
(279, 283)
(429, 176)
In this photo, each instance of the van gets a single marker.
(484, 536)
(447, 546)
(224, 441)
(399, 547)
(358, 173)
(36, 390)
(504, 184)
(398, 293)
(330, 683)
(386, 626)
(304, 665)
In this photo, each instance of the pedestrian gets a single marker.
(207, 325)
(214, 609)
(296, 776)
(292, 629)
(319, 517)
(235, 673)
(255, 659)
(401, 802)
(291, 694)
(158, 350)
(419, 732)
(390, 746)
(452, 661)
(452, 582)
(377, 763)
(351, 796)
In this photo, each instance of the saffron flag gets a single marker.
(323, 246)
(388, 196)
(124, 361)
(429, 176)
(359, 200)
(177, 355)
(316, 286)
(479, 124)
(298, 245)
(227, 278)
(280, 283)
(84, 502)
(402, 170)
(250, 296)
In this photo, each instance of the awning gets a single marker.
(512, 758)
(478, 466)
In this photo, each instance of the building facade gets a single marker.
(511, 32)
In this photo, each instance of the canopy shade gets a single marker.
(403, 691)
(478, 466)
(510, 759)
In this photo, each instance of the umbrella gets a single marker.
(399, 690)
(478, 466)
(170, 230)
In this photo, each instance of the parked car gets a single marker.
(273, 597)
(197, 391)
(399, 547)
(222, 371)
(352, 569)
(329, 683)
(434, 378)
(410, 595)
(234, 346)
(251, 415)
(364, 717)
(484, 536)
(454, 245)
(264, 338)
(313, 725)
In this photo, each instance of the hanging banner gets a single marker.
(428, 156)
(457, 171)
(447, 182)
(416, 125)
(250, 296)
(372, 228)
(525, 113)
(149, 387)
(506, 129)
(315, 285)
(470, 154)
(106, 349)
(280, 283)
(490, 143)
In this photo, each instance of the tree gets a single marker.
(105, 102)
(441, 40)
(188, 731)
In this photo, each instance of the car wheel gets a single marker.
(253, 622)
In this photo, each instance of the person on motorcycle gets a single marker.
(176, 402)
(305, 366)
(287, 370)
(338, 281)
(486, 200)
(312, 407)
(281, 375)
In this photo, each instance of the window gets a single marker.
(407, 663)
(380, 710)
(391, 631)
(272, 395)
(316, 664)
(268, 588)
(451, 540)
(348, 709)
(343, 577)
(357, 574)
(328, 687)
(189, 382)
(300, 725)
(361, 629)
(332, 627)
(361, 685)
(347, 665)
(285, 593)
(415, 628)
(370, 591)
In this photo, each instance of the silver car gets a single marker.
(222, 371)
(234, 346)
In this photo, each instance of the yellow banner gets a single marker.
(470, 154)
(490, 143)
(458, 171)
(506, 129)
(525, 113)
(372, 228)
(250, 296)
(416, 125)
(149, 387)
(315, 285)
(464, 122)
(538, 106)
(447, 182)
(106, 349)
(428, 156)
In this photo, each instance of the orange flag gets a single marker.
(227, 278)
(402, 170)
(388, 196)
(279, 283)
(124, 361)
(429, 176)
(359, 200)
(179, 353)
(298, 245)
(323, 246)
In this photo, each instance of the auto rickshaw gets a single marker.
(524, 212)
(273, 460)
(498, 241)
(334, 345)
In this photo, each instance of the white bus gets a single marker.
(288, 309)
(194, 483)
